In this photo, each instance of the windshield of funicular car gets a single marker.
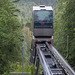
(43, 17)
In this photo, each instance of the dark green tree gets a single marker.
(69, 22)
(64, 23)
(10, 36)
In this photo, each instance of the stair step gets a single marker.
(59, 71)
(57, 74)
(56, 69)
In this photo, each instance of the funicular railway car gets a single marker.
(42, 26)
(42, 23)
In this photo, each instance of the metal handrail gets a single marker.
(63, 63)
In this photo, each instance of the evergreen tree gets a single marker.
(63, 27)
(10, 36)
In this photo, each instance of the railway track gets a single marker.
(51, 61)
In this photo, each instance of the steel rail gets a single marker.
(43, 62)
(61, 60)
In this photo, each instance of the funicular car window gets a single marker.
(43, 19)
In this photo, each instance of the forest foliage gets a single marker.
(10, 37)
(12, 30)
(64, 24)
